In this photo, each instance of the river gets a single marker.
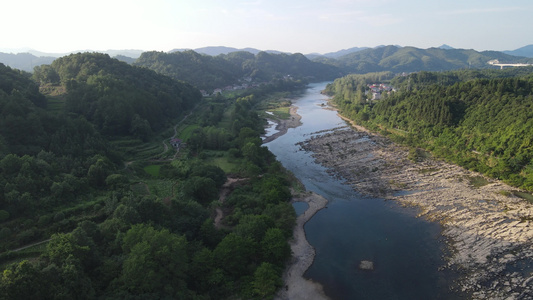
(407, 252)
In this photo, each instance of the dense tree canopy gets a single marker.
(112, 230)
(208, 72)
(481, 120)
(118, 98)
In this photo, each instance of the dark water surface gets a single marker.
(406, 251)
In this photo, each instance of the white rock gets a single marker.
(366, 265)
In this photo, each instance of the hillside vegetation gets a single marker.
(411, 59)
(210, 72)
(142, 228)
(478, 120)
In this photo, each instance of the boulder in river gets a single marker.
(366, 265)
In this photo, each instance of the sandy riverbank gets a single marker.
(295, 286)
(490, 231)
(284, 124)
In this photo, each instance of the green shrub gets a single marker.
(4, 215)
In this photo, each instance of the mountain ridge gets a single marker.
(526, 51)
(409, 59)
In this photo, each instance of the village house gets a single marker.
(176, 143)
(378, 89)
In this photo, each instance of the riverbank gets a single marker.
(295, 285)
(489, 231)
(284, 124)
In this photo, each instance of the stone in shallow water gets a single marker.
(366, 265)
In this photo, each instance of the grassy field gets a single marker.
(54, 96)
(222, 160)
(153, 170)
(55, 104)
(226, 122)
(136, 149)
(161, 188)
(185, 133)
(224, 163)
(281, 112)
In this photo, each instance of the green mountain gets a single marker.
(411, 59)
(210, 72)
(203, 71)
(118, 98)
(526, 51)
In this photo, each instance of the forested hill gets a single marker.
(118, 98)
(77, 222)
(210, 72)
(482, 124)
(411, 59)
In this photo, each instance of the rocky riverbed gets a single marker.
(489, 231)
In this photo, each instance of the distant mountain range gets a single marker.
(526, 51)
(217, 50)
(210, 72)
(336, 54)
(445, 47)
(125, 52)
(411, 59)
(25, 61)
(356, 59)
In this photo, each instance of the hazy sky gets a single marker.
(290, 25)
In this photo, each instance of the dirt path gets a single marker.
(30, 245)
(230, 184)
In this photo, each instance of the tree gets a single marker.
(274, 247)
(266, 281)
(156, 262)
(202, 189)
(187, 217)
(63, 246)
(214, 172)
(127, 214)
(200, 269)
(21, 281)
(140, 128)
(253, 226)
(99, 171)
(46, 74)
(233, 254)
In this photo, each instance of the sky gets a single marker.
(304, 26)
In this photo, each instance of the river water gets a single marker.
(407, 252)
